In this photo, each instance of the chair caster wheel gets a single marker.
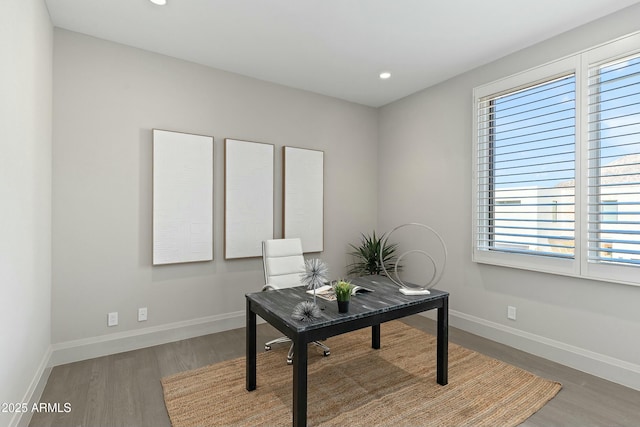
(267, 347)
(326, 353)
(289, 361)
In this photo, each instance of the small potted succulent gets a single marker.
(343, 294)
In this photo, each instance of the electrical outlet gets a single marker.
(511, 312)
(142, 314)
(112, 319)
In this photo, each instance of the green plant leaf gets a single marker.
(367, 256)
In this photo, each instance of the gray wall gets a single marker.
(25, 197)
(425, 176)
(107, 98)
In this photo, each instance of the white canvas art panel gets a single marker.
(248, 216)
(182, 197)
(304, 197)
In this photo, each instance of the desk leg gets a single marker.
(251, 348)
(300, 382)
(375, 337)
(443, 342)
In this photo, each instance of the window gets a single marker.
(557, 166)
(614, 162)
(528, 151)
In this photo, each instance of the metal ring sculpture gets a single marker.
(437, 274)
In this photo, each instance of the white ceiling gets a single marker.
(333, 47)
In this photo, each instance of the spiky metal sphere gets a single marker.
(316, 273)
(306, 311)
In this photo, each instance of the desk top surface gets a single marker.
(385, 297)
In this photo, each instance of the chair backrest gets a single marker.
(283, 262)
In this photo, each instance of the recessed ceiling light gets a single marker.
(159, 2)
(385, 75)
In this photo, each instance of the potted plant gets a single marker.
(343, 294)
(367, 256)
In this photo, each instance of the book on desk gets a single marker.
(326, 292)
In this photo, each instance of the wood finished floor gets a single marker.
(124, 389)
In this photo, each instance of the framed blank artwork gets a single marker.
(182, 197)
(248, 197)
(303, 197)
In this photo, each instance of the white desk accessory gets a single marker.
(437, 273)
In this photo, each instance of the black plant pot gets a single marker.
(343, 306)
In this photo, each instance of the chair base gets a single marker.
(281, 340)
(326, 351)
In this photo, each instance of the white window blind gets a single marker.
(614, 162)
(526, 169)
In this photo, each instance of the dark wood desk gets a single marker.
(371, 309)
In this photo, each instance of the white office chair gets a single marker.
(283, 264)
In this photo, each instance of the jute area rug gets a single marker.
(359, 386)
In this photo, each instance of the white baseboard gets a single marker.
(88, 348)
(600, 365)
(34, 391)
